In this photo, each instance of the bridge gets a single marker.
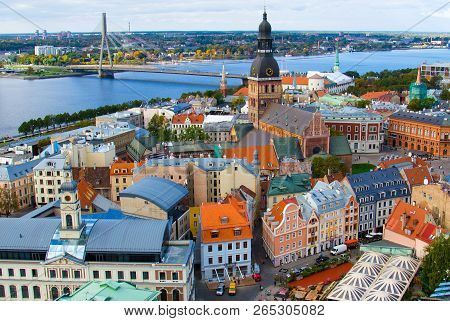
(108, 69)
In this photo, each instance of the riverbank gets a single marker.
(40, 77)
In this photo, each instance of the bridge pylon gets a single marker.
(105, 73)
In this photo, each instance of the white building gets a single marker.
(55, 257)
(48, 177)
(226, 240)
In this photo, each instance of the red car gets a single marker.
(256, 277)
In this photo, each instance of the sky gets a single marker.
(160, 15)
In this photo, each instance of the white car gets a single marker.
(220, 289)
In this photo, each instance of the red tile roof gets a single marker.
(193, 117)
(267, 155)
(416, 176)
(241, 92)
(123, 168)
(289, 80)
(375, 95)
(408, 220)
(86, 193)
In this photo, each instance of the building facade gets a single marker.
(429, 133)
(226, 240)
(376, 193)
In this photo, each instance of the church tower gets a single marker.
(71, 223)
(336, 66)
(264, 82)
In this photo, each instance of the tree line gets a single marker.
(58, 120)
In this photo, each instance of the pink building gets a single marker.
(284, 232)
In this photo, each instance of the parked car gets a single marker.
(232, 288)
(220, 289)
(256, 277)
(338, 249)
(322, 258)
(283, 270)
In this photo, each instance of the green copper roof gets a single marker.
(111, 291)
(293, 184)
(339, 146)
(287, 147)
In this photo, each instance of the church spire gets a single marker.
(336, 66)
(418, 81)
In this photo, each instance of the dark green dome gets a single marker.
(265, 29)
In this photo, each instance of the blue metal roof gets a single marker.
(162, 192)
(127, 235)
(375, 183)
(14, 172)
(27, 234)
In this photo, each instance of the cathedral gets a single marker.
(265, 108)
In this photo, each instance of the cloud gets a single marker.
(84, 15)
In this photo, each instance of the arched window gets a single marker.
(2, 291)
(69, 222)
(55, 293)
(66, 291)
(36, 292)
(175, 295)
(163, 295)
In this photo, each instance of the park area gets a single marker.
(362, 168)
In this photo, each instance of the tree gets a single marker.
(156, 123)
(436, 264)
(320, 166)
(193, 134)
(362, 103)
(240, 101)
(353, 74)
(445, 94)
(8, 201)
(420, 104)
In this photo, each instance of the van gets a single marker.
(338, 249)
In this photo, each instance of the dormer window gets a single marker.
(237, 232)
(214, 234)
(224, 220)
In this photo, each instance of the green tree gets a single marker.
(420, 104)
(156, 123)
(445, 94)
(362, 103)
(25, 128)
(436, 264)
(235, 103)
(8, 201)
(320, 166)
(193, 134)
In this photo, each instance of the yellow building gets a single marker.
(194, 214)
(434, 198)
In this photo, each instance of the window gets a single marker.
(176, 295)
(25, 294)
(120, 275)
(95, 274)
(34, 273)
(12, 292)
(230, 246)
(108, 275)
(133, 275)
(162, 276)
(145, 275)
(220, 259)
(36, 292)
(53, 274)
(219, 247)
(65, 274)
(2, 291)
(245, 244)
(77, 274)
(209, 248)
(175, 276)
(210, 260)
(23, 273)
(237, 232)
(10, 272)
(238, 245)
(238, 258)
(245, 257)
(214, 234)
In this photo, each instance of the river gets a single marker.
(21, 100)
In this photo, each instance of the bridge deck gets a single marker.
(151, 69)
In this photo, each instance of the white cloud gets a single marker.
(84, 15)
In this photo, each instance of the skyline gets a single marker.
(348, 15)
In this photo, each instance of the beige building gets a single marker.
(435, 198)
(48, 176)
(19, 178)
(159, 198)
(88, 155)
(121, 177)
(207, 179)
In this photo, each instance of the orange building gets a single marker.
(267, 156)
(184, 121)
(226, 238)
(429, 133)
(121, 177)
